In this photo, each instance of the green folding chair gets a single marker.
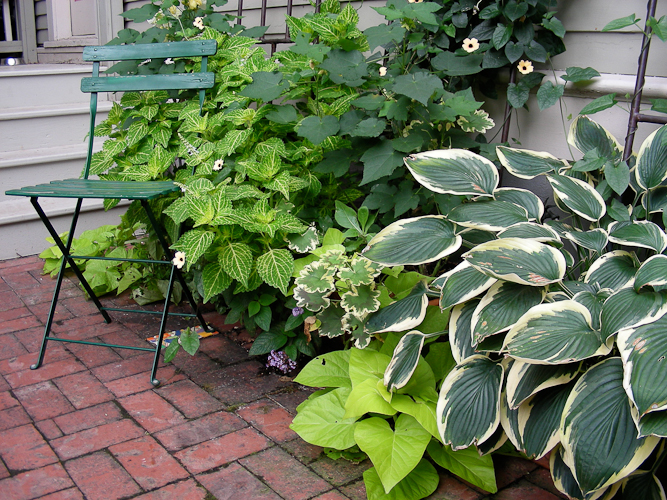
(84, 188)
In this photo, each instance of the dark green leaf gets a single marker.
(454, 65)
(513, 51)
(659, 105)
(621, 22)
(548, 95)
(347, 68)
(267, 342)
(575, 74)
(265, 86)
(316, 129)
(384, 34)
(659, 27)
(514, 10)
(617, 176)
(501, 36)
(555, 26)
(517, 95)
(379, 161)
(141, 14)
(536, 52)
(171, 350)
(282, 114)
(599, 104)
(189, 340)
(419, 86)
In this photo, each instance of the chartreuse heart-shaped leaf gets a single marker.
(461, 284)
(555, 333)
(526, 262)
(653, 272)
(402, 315)
(526, 379)
(501, 307)
(326, 370)
(578, 196)
(651, 167)
(193, 243)
(467, 464)
(489, 215)
(413, 241)
(586, 135)
(275, 267)
(595, 239)
(367, 397)
(419, 483)
(613, 270)
(215, 280)
(642, 485)
(627, 308)
(643, 352)
(523, 198)
(366, 363)
(639, 233)
(404, 360)
(468, 408)
(422, 410)
(394, 453)
(533, 231)
(460, 332)
(597, 423)
(454, 171)
(527, 164)
(321, 422)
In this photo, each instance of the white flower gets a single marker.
(218, 164)
(179, 259)
(470, 44)
(525, 67)
(175, 11)
(169, 60)
(383, 71)
(199, 22)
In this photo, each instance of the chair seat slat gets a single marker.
(192, 48)
(135, 83)
(92, 188)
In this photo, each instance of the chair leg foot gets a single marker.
(35, 366)
(155, 382)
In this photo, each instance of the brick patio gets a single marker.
(88, 423)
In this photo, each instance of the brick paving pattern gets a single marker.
(89, 425)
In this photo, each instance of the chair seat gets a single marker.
(94, 188)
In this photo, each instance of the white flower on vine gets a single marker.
(169, 60)
(383, 71)
(470, 45)
(525, 67)
(198, 22)
(218, 164)
(179, 259)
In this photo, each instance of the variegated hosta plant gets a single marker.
(558, 327)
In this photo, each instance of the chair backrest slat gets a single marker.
(191, 48)
(175, 81)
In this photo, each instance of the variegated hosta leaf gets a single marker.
(525, 379)
(331, 319)
(401, 315)
(414, 241)
(360, 271)
(454, 171)
(586, 135)
(526, 262)
(595, 239)
(642, 485)
(654, 200)
(613, 270)
(640, 233)
(653, 424)
(460, 334)
(562, 476)
(524, 198)
(643, 352)
(492, 444)
(598, 432)
(473, 237)
(468, 408)
(594, 303)
(404, 360)
(627, 308)
(316, 277)
(313, 301)
(303, 243)
(361, 300)
(653, 272)
(527, 164)
(491, 215)
(651, 167)
(578, 197)
(530, 230)
(501, 307)
(194, 243)
(556, 333)
(509, 419)
(275, 267)
(461, 284)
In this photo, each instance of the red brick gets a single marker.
(222, 349)
(47, 371)
(35, 483)
(18, 324)
(4, 386)
(70, 494)
(13, 417)
(20, 280)
(94, 356)
(141, 381)
(284, 474)
(20, 264)
(83, 390)
(19, 312)
(49, 429)
(450, 488)
(186, 490)
(542, 478)
(191, 400)
(524, 490)
(43, 400)
(302, 451)
(355, 491)
(200, 368)
(509, 469)
(44, 294)
(79, 306)
(235, 482)
(23, 362)
(100, 477)
(41, 311)
(11, 347)
(148, 463)
(84, 327)
(270, 419)
(151, 411)
(32, 341)
(222, 450)
(7, 400)
(126, 337)
(124, 368)
(89, 417)
(331, 495)
(339, 472)
(290, 399)
(95, 438)
(3, 471)
(197, 431)
(242, 383)
(24, 448)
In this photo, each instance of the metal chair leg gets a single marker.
(163, 324)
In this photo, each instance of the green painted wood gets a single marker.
(192, 48)
(92, 188)
(176, 81)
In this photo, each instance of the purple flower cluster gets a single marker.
(280, 361)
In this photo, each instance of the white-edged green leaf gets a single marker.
(361, 300)
(651, 168)
(303, 243)
(489, 215)
(313, 301)
(326, 370)
(527, 164)
(194, 243)
(502, 306)
(526, 262)
(555, 333)
(593, 301)
(533, 231)
(653, 424)
(215, 280)
(562, 476)
(627, 308)
(579, 197)
(468, 408)
(523, 198)
(454, 171)
(419, 483)
(460, 332)
(275, 267)
(467, 464)
(401, 315)
(331, 320)
(595, 239)
(236, 259)
(653, 272)
(413, 241)
(404, 360)
(586, 135)
(639, 233)
(526, 379)
(317, 276)
(461, 284)
(613, 270)
(642, 485)
(597, 423)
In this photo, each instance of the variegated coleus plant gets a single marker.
(556, 352)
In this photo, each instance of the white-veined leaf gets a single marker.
(275, 267)
(653, 272)
(523, 198)
(639, 233)
(527, 164)
(236, 259)
(215, 280)
(613, 270)
(461, 284)
(651, 167)
(578, 196)
(491, 215)
(460, 333)
(194, 243)
(525, 379)
(627, 308)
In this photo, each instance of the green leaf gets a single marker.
(419, 86)
(282, 114)
(384, 34)
(651, 169)
(215, 280)
(659, 105)
(317, 129)
(488, 215)
(361, 300)
(141, 14)
(549, 94)
(303, 243)
(659, 27)
(453, 65)
(467, 464)
(617, 176)
(621, 22)
(402, 315)
(502, 34)
(517, 95)
(578, 196)
(267, 342)
(379, 161)
(171, 351)
(404, 360)
(514, 10)
(536, 52)
(347, 68)
(595, 239)
(613, 270)
(366, 363)
(137, 131)
(265, 86)
(460, 333)
(419, 483)
(189, 340)
(642, 485)
(599, 104)
(236, 259)
(327, 370)
(394, 453)
(523, 198)
(652, 272)
(527, 164)
(555, 26)
(575, 74)
(366, 397)
(194, 243)
(526, 379)
(461, 284)
(585, 135)
(275, 267)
